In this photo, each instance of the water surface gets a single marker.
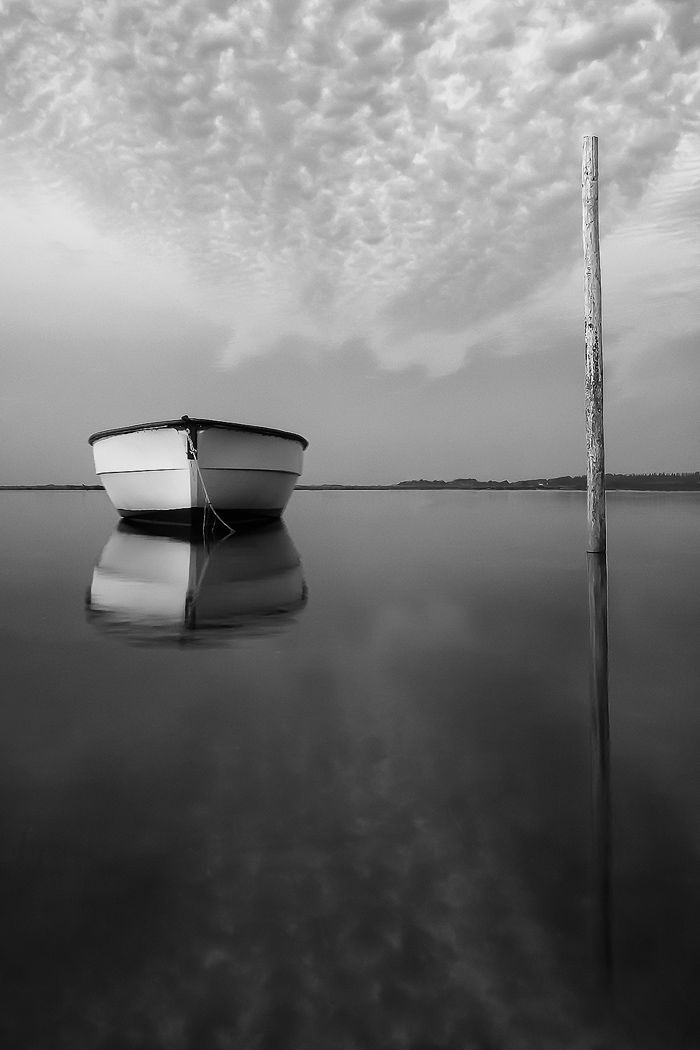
(333, 785)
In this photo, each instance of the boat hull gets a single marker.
(174, 472)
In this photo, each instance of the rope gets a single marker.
(208, 505)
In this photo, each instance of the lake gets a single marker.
(340, 784)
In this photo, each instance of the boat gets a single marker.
(176, 470)
(157, 584)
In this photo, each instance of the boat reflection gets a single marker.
(156, 585)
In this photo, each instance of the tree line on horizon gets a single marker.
(676, 480)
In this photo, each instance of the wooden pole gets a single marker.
(594, 347)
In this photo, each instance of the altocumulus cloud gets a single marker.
(394, 170)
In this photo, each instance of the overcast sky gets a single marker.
(355, 219)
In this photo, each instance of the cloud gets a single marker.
(594, 41)
(398, 169)
(684, 24)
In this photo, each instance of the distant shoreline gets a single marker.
(489, 488)
(613, 482)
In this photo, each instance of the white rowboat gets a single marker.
(174, 470)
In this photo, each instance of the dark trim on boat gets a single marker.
(191, 516)
(231, 469)
(182, 529)
(187, 422)
(237, 470)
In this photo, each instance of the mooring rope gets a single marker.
(208, 505)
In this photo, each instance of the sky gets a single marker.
(359, 220)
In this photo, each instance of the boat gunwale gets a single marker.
(187, 421)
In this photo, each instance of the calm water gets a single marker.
(335, 785)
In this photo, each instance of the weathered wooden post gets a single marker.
(594, 347)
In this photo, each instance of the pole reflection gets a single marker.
(600, 755)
